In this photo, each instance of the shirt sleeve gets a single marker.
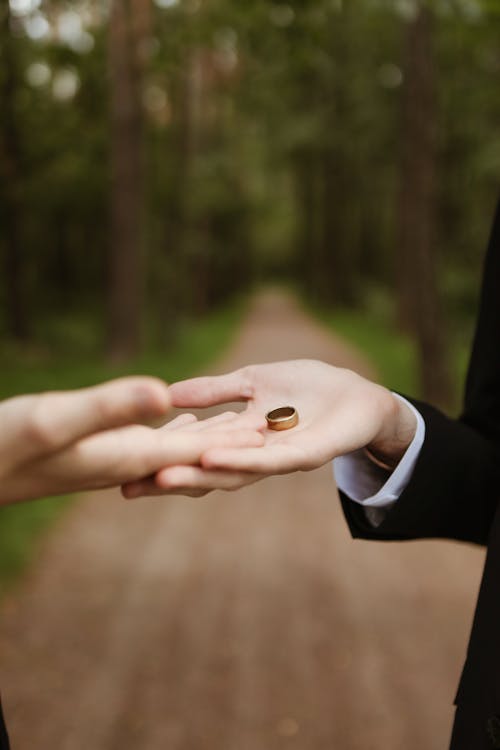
(367, 484)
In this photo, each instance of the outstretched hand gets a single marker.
(54, 443)
(339, 412)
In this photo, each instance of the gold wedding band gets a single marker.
(283, 418)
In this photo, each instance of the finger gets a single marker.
(148, 488)
(187, 480)
(195, 477)
(209, 391)
(183, 420)
(41, 424)
(188, 448)
(230, 421)
(201, 424)
(268, 459)
(120, 456)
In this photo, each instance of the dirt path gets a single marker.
(248, 622)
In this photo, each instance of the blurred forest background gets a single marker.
(159, 159)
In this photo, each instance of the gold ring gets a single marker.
(283, 418)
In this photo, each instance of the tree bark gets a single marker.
(419, 309)
(127, 42)
(16, 312)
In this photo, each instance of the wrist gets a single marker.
(395, 436)
(387, 463)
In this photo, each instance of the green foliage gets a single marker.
(21, 526)
(28, 370)
(287, 163)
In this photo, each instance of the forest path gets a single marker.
(239, 622)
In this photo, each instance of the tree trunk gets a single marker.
(196, 231)
(340, 270)
(16, 313)
(127, 44)
(417, 283)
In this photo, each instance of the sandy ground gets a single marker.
(238, 622)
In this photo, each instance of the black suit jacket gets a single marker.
(454, 493)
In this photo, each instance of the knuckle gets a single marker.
(106, 412)
(40, 430)
(124, 464)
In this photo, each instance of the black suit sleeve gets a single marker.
(455, 487)
(453, 493)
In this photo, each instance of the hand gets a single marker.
(231, 428)
(339, 412)
(55, 443)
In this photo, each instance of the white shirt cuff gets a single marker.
(365, 483)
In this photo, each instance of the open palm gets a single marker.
(339, 412)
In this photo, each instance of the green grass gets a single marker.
(22, 525)
(20, 528)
